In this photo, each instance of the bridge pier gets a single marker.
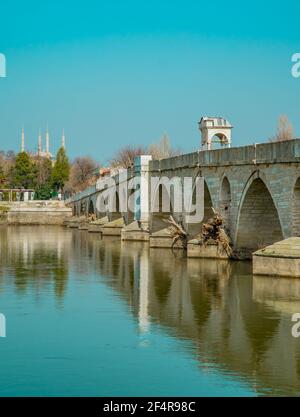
(113, 228)
(138, 230)
(163, 239)
(195, 250)
(96, 226)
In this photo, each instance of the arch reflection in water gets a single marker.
(224, 318)
(236, 323)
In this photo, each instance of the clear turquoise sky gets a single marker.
(117, 72)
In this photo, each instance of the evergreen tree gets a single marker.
(43, 191)
(44, 170)
(61, 170)
(3, 178)
(24, 174)
(44, 187)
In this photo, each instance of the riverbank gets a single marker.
(34, 212)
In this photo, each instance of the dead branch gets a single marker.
(177, 232)
(91, 217)
(214, 232)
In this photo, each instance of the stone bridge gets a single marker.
(256, 188)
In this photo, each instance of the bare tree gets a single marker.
(2, 172)
(83, 173)
(163, 149)
(124, 158)
(7, 162)
(284, 131)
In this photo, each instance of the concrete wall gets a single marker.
(37, 212)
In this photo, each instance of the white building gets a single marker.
(215, 130)
(43, 152)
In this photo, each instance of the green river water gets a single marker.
(86, 316)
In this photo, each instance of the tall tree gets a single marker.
(2, 171)
(24, 174)
(44, 170)
(2, 177)
(43, 191)
(285, 130)
(163, 149)
(44, 187)
(61, 170)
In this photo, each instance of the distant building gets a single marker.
(42, 152)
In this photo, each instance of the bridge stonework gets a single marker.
(256, 188)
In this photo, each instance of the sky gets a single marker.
(113, 72)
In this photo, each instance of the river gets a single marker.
(92, 317)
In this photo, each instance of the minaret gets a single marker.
(40, 143)
(23, 140)
(47, 142)
(63, 139)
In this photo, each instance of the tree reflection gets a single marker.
(35, 258)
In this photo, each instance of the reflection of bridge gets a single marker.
(256, 188)
(237, 324)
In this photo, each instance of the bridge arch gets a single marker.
(225, 201)
(194, 229)
(132, 198)
(115, 213)
(221, 139)
(76, 208)
(91, 207)
(82, 210)
(158, 210)
(101, 203)
(258, 222)
(296, 209)
(208, 202)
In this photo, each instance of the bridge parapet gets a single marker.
(273, 152)
(93, 189)
(82, 194)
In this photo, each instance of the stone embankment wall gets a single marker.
(34, 212)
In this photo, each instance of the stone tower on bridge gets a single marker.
(214, 130)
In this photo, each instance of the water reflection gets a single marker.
(34, 257)
(232, 321)
(237, 323)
